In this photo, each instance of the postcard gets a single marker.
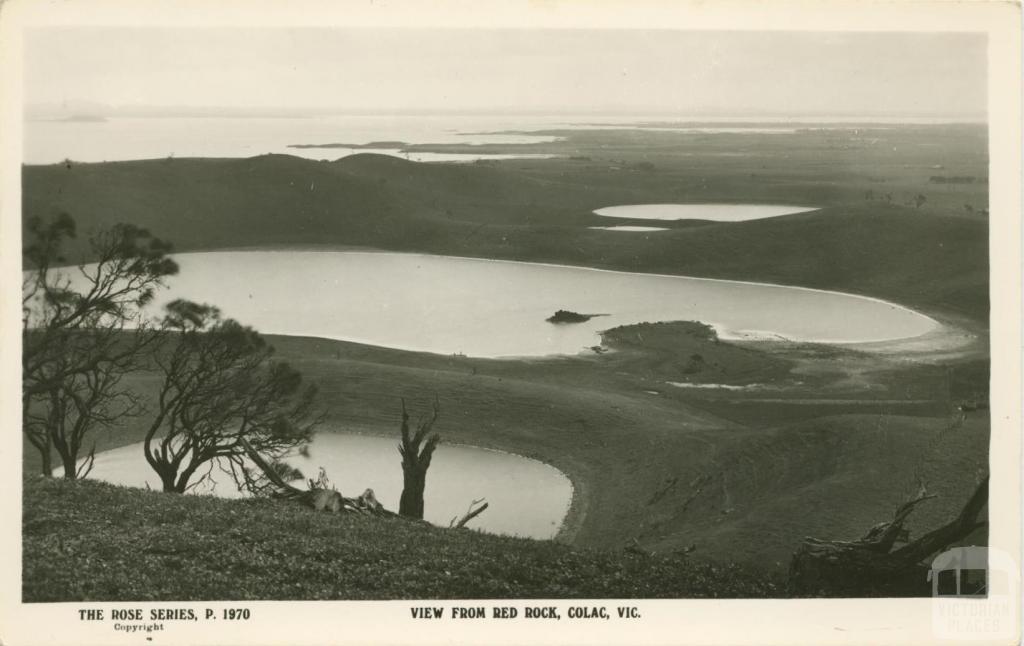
(514, 323)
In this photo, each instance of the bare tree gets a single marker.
(416, 455)
(82, 329)
(86, 401)
(221, 395)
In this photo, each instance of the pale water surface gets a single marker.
(526, 497)
(628, 229)
(713, 212)
(126, 138)
(699, 130)
(487, 308)
(119, 138)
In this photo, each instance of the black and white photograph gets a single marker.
(509, 326)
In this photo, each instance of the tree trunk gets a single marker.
(411, 503)
(70, 467)
(169, 482)
(68, 456)
(42, 444)
(185, 476)
(46, 461)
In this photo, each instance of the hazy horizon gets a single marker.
(682, 74)
(72, 110)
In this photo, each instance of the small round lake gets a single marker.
(486, 308)
(526, 497)
(712, 212)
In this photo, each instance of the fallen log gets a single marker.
(470, 514)
(323, 499)
(320, 499)
(870, 566)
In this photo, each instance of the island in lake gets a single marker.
(565, 316)
(368, 146)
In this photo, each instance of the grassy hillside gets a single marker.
(541, 210)
(96, 542)
(820, 167)
(741, 475)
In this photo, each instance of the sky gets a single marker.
(548, 71)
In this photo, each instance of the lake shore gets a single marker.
(393, 300)
(623, 435)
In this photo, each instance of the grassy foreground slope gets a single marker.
(97, 542)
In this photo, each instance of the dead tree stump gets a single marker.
(871, 565)
(416, 461)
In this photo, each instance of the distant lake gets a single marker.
(96, 138)
(629, 229)
(526, 497)
(486, 308)
(705, 130)
(714, 212)
(126, 138)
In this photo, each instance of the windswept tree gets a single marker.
(82, 330)
(416, 449)
(222, 394)
(84, 401)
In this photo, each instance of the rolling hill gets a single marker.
(485, 210)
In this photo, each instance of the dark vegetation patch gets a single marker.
(372, 144)
(691, 352)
